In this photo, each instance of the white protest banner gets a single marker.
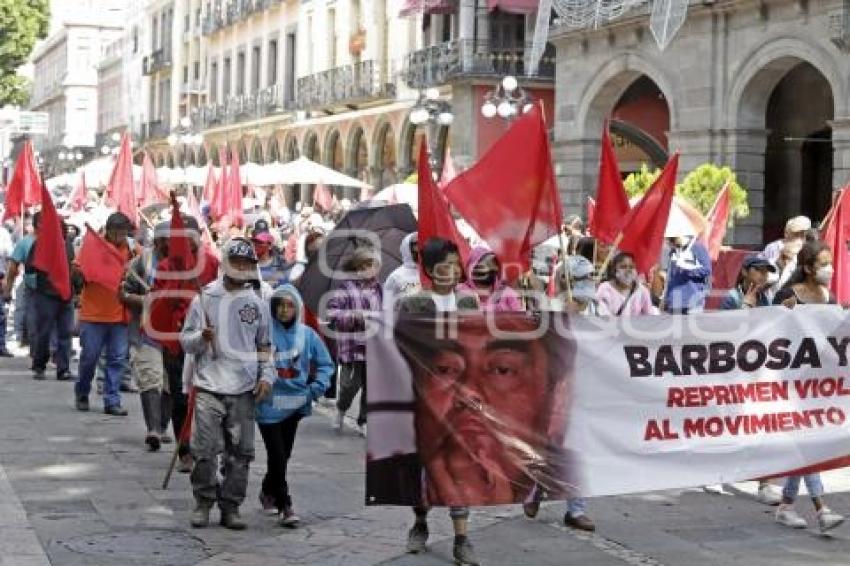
(490, 409)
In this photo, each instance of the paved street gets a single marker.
(79, 489)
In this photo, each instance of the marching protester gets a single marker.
(270, 262)
(15, 265)
(404, 280)
(688, 276)
(751, 292)
(6, 247)
(145, 353)
(808, 286)
(347, 309)
(622, 293)
(794, 237)
(303, 367)
(442, 265)
(227, 330)
(103, 327)
(485, 283)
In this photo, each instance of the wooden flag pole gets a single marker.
(604, 267)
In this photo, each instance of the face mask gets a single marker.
(824, 275)
(625, 277)
(486, 279)
(772, 278)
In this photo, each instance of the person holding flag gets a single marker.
(103, 322)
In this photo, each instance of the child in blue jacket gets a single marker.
(304, 368)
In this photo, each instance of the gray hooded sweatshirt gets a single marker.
(404, 280)
(241, 323)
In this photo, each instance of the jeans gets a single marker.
(22, 294)
(279, 438)
(352, 378)
(792, 486)
(3, 346)
(48, 313)
(94, 338)
(174, 396)
(576, 506)
(223, 424)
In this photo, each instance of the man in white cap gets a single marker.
(795, 237)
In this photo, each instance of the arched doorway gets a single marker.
(335, 157)
(639, 124)
(203, 159)
(243, 152)
(358, 160)
(385, 158)
(412, 138)
(798, 160)
(290, 153)
(213, 155)
(256, 155)
(273, 152)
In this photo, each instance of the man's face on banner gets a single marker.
(483, 411)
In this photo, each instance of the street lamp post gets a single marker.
(507, 101)
(184, 134)
(112, 145)
(436, 113)
(69, 158)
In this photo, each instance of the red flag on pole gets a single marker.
(100, 261)
(435, 219)
(149, 191)
(322, 198)
(210, 185)
(218, 201)
(24, 188)
(121, 192)
(50, 255)
(642, 232)
(510, 196)
(612, 204)
(837, 234)
(81, 194)
(234, 201)
(591, 210)
(718, 220)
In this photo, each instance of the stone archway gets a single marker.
(242, 148)
(357, 159)
(384, 163)
(311, 147)
(291, 193)
(273, 150)
(334, 157)
(256, 154)
(639, 124)
(203, 158)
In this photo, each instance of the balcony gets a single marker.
(212, 23)
(344, 86)
(154, 130)
(471, 59)
(193, 87)
(245, 107)
(234, 11)
(157, 61)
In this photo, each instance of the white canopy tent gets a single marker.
(307, 172)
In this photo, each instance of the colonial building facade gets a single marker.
(759, 86)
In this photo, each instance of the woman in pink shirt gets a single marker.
(622, 292)
(486, 285)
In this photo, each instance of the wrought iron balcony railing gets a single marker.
(351, 84)
(157, 61)
(459, 59)
(154, 130)
(246, 107)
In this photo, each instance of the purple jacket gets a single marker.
(345, 315)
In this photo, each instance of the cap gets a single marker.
(261, 226)
(579, 267)
(758, 262)
(241, 248)
(798, 224)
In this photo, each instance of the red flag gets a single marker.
(612, 204)
(24, 188)
(234, 195)
(81, 194)
(100, 261)
(50, 256)
(837, 234)
(510, 196)
(591, 210)
(120, 192)
(718, 220)
(219, 196)
(149, 191)
(449, 171)
(323, 198)
(643, 227)
(210, 185)
(435, 219)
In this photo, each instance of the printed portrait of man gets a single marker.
(490, 408)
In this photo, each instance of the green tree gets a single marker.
(22, 23)
(700, 187)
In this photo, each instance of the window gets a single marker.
(290, 67)
(196, 70)
(214, 82)
(185, 74)
(332, 36)
(154, 32)
(186, 22)
(135, 40)
(271, 78)
(255, 68)
(240, 73)
(225, 89)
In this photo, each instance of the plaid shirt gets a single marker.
(345, 313)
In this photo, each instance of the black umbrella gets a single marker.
(388, 225)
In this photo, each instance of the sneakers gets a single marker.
(581, 522)
(715, 488)
(362, 430)
(417, 538)
(827, 520)
(770, 494)
(200, 516)
(165, 439)
(185, 465)
(339, 421)
(152, 440)
(267, 503)
(288, 518)
(82, 403)
(116, 411)
(531, 509)
(38, 374)
(786, 515)
(463, 552)
(231, 519)
(65, 376)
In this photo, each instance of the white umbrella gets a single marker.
(305, 171)
(63, 180)
(684, 219)
(98, 171)
(401, 193)
(252, 174)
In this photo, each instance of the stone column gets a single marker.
(464, 129)
(576, 163)
(466, 31)
(841, 152)
(745, 155)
